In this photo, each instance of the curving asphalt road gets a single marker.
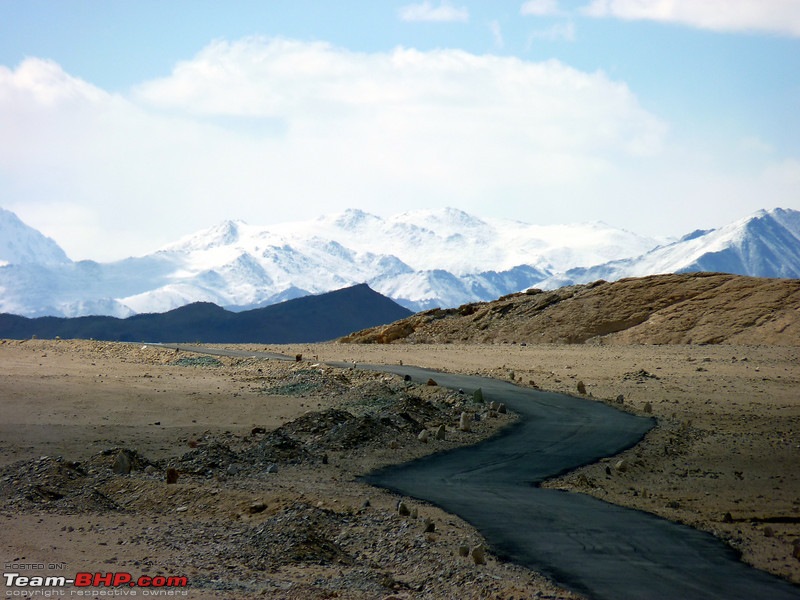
(601, 550)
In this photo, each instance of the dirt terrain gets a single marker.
(266, 455)
(692, 308)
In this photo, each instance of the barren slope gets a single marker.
(694, 308)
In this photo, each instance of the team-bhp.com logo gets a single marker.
(89, 584)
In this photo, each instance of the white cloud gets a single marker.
(779, 16)
(497, 34)
(541, 8)
(558, 32)
(426, 11)
(270, 130)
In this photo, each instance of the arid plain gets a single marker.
(724, 457)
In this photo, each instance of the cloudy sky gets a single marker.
(125, 125)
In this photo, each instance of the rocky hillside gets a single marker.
(692, 308)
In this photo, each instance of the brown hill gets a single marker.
(693, 308)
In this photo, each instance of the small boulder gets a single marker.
(465, 422)
(478, 555)
(423, 436)
(402, 509)
(432, 383)
(581, 388)
(256, 507)
(441, 432)
(172, 476)
(122, 464)
(501, 409)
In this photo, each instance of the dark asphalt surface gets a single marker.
(592, 547)
(601, 550)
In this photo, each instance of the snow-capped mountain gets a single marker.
(764, 244)
(21, 244)
(421, 259)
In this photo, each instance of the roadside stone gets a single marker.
(256, 507)
(441, 432)
(477, 396)
(122, 464)
(648, 407)
(621, 399)
(465, 422)
(423, 436)
(432, 383)
(621, 466)
(478, 555)
(463, 551)
(402, 509)
(428, 526)
(172, 476)
(501, 408)
(581, 388)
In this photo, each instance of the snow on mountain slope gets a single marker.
(763, 244)
(422, 259)
(460, 243)
(21, 244)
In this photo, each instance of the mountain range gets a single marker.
(421, 259)
(316, 318)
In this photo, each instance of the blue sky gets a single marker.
(125, 125)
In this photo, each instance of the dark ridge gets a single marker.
(309, 319)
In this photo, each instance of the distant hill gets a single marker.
(308, 319)
(692, 308)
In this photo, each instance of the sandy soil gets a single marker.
(724, 457)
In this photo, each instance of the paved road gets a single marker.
(590, 546)
(604, 551)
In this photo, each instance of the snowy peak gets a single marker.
(763, 244)
(21, 244)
